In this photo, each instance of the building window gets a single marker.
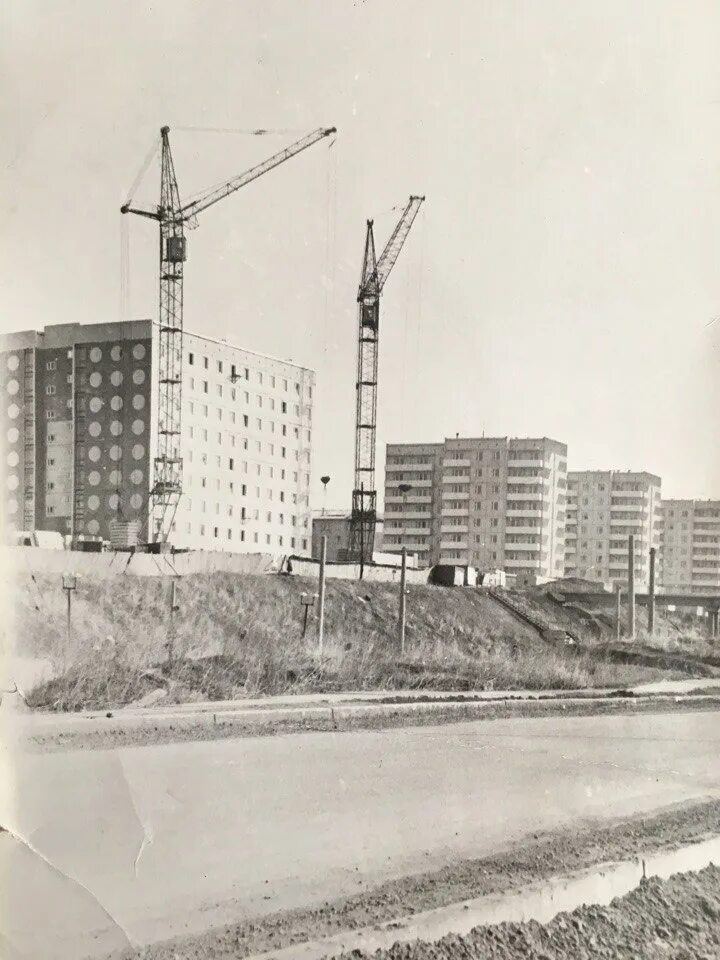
(232, 463)
(191, 361)
(219, 363)
(205, 362)
(50, 414)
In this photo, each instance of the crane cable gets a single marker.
(125, 233)
(143, 170)
(330, 228)
(258, 132)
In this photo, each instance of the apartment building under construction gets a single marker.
(78, 415)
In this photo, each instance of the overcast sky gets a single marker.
(560, 280)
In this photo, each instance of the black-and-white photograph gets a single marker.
(360, 480)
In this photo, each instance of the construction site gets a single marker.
(362, 572)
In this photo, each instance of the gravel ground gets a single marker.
(111, 732)
(552, 854)
(677, 918)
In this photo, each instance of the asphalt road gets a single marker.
(150, 842)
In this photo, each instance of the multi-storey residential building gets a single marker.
(413, 473)
(604, 507)
(79, 429)
(690, 545)
(485, 502)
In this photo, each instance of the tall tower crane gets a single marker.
(374, 274)
(172, 216)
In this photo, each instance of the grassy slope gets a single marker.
(239, 636)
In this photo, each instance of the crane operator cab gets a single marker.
(370, 313)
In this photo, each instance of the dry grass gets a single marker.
(241, 636)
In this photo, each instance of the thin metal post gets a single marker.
(69, 619)
(321, 594)
(173, 610)
(618, 611)
(631, 587)
(69, 583)
(651, 594)
(403, 599)
(362, 530)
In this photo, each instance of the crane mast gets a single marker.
(172, 216)
(363, 517)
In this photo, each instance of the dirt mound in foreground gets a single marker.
(677, 918)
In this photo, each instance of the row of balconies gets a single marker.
(409, 467)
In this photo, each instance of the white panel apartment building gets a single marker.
(486, 502)
(604, 507)
(691, 545)
(247, 435)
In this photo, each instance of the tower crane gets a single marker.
(363, 516)
(172, 215)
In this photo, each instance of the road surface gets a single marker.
(160, 840)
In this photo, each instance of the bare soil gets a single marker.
(685, 913)
(677, 918)
(110, 731)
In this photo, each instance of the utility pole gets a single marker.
(69, 584)
(171, 628)
(361, 533)
(618, 611)
(631, 587)
(651, 594)
(321, 594)
(403, 599)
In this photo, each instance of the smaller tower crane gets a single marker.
(173, 216)
(363, 516)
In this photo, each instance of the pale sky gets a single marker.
(560, 280)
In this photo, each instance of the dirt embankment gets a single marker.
(677, 918)
(553, 854)
(240, 636)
